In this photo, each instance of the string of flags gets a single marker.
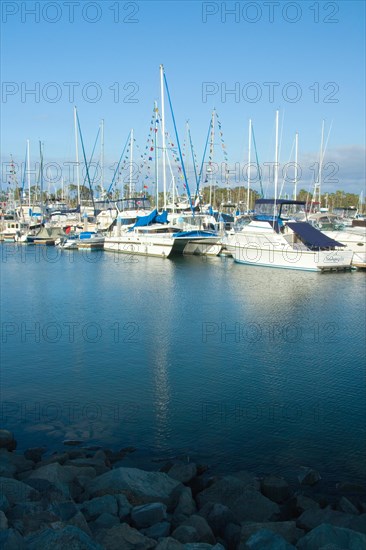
(147, 156)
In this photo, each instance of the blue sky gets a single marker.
(318, 58)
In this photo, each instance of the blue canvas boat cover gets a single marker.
(312, 237)
(162, 218)
(86, 235)
(142, 221)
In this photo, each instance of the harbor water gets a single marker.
(235, 366)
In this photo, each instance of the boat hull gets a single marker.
(161, 247)
(288, 258)
(203, 248)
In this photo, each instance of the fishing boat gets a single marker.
(276, 238)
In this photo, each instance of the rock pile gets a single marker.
(83, 499)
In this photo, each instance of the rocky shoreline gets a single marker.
(85, 498)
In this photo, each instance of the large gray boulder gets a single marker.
(169, 543)
(98, 464)
(185, 507)
(202, 546)
(218, 516)
(286, 529)
(139, 486)
(183, 472)
(4, 503)
(301, 503)
(158, 530)
(17, 462)
(267, 540)
(148, 514)
(11, 540)
(326, 534)
(124, 537)
(308, 476)
(239, 494)
(97, 506)
(253, 506)
(35, 453)
(275, 488)
(226, 490)
(7, 466)
(3, 521)
(7, 440)
(105, 521)
(62, 476)
(312, 518)
(124, 507)
(17, 491)
(345, 505)
(70, 537)
(194, 529)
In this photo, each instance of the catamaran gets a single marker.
(152, 235)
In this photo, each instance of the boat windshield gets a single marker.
(137, 203)
(282, 209)
(347, 212)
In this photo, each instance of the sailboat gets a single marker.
(152, 234)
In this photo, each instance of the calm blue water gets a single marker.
(236, 366)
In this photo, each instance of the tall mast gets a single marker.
(296, 167)
(41, 174)
(28, 175)
(163, 130)
(276, 167)
(77, 160)
(212, 150)
(102, 155)
(249, 158)
(321, 166)
(131, 161)
(156, 154)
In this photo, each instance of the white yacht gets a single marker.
(352, 237)
(276, 238)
